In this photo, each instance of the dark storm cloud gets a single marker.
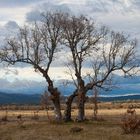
(16, 3)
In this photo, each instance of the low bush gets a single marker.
(130, 122)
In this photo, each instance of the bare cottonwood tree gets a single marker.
(45, 103)
(103, 50)
(36, 45)
(108, 51)
(80, 36)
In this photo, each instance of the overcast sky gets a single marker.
(121, 15)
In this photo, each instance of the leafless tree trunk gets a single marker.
(81, 107)
(67, 112)
(45, 103)
(95, 101)
(37, 45)
(55, 97)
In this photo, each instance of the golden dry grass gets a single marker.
(50, 131)
(42, 129)
(89, 112)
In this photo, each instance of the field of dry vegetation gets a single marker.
(32, 123)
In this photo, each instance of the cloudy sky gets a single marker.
(120, 15)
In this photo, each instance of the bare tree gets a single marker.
(103, 50)
(37, 45)
(108, 51)
(45, 103)
(78, 36)
(95, 101)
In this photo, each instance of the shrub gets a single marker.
(35, 116)
(130, 122)
(76, 129)
(5, 117)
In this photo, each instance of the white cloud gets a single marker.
(22, 86)
(13, 14)
(120, 15)
(77, 2)
(17, 3)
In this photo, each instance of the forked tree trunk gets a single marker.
(67, 112)
(81, 107)
(55, 97)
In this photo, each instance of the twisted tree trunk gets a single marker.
(67, 112)
(55, 97)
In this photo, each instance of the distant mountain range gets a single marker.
(6, 98)
(29, 92)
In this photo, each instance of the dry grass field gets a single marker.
(49, 131)
(42, 129)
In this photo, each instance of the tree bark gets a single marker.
(55, 97)
(67, 112)
(81, 107)
(57, 109)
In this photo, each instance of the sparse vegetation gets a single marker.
(5, 117)
(76, 129)
(35, 115)
(130, 122)
(22, 125)
(45, 103)
(44, 130)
